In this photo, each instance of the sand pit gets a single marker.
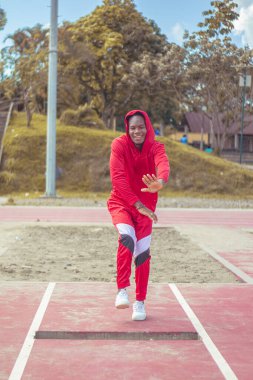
(74, 252)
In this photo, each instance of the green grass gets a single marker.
(83, 154)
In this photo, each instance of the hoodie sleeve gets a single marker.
(161, 162)
(119, 179)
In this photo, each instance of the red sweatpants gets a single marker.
(134, 243)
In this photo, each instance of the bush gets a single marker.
(7, 178)
(84, 116)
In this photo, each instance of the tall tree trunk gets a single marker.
(29, 115)
(27, 108)
(105, 118)
(213, 140)
(161, 126)
(108, 117)
(112, 124)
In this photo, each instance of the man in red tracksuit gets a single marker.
(139, 168)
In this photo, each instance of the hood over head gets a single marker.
(150, 136)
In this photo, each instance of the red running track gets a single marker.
(224, 310)
(230, 218)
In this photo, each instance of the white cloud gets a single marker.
(178, 32)
(244, 25)
(244, 3)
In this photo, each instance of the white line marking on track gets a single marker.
(210, 346)
(26, 349)
(237, 271)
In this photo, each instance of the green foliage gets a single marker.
(213, 64)
(114, 36)
(26, 60)
(3, 19)
(83, 116)
(220, 19)
(83, 155)
(115, 59)
(199, 173)
(7, 178)
(10, 164)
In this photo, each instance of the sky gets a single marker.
(172, 16)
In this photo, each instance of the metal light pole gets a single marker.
(52, 104)
(244, 81)
(203, 109)
(242, 121)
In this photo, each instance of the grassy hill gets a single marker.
(83, 155)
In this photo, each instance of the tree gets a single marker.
(213, 63)
(26, 62)
(112, 60)
(3, 19)
(116, 35)
(219, 20)
(155, 83)
(72, 55)
(2, 24)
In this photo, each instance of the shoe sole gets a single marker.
(122, 306)
(139, 319)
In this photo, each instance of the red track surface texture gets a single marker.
(222, 315)
(225, 312)
(231, 218)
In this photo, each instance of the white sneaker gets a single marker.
(122, 301)
(139, 313)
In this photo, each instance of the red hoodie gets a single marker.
(128, 165)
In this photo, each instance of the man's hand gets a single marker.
(146, 211)
(153, 184)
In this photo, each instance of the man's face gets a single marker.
(137, 130)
